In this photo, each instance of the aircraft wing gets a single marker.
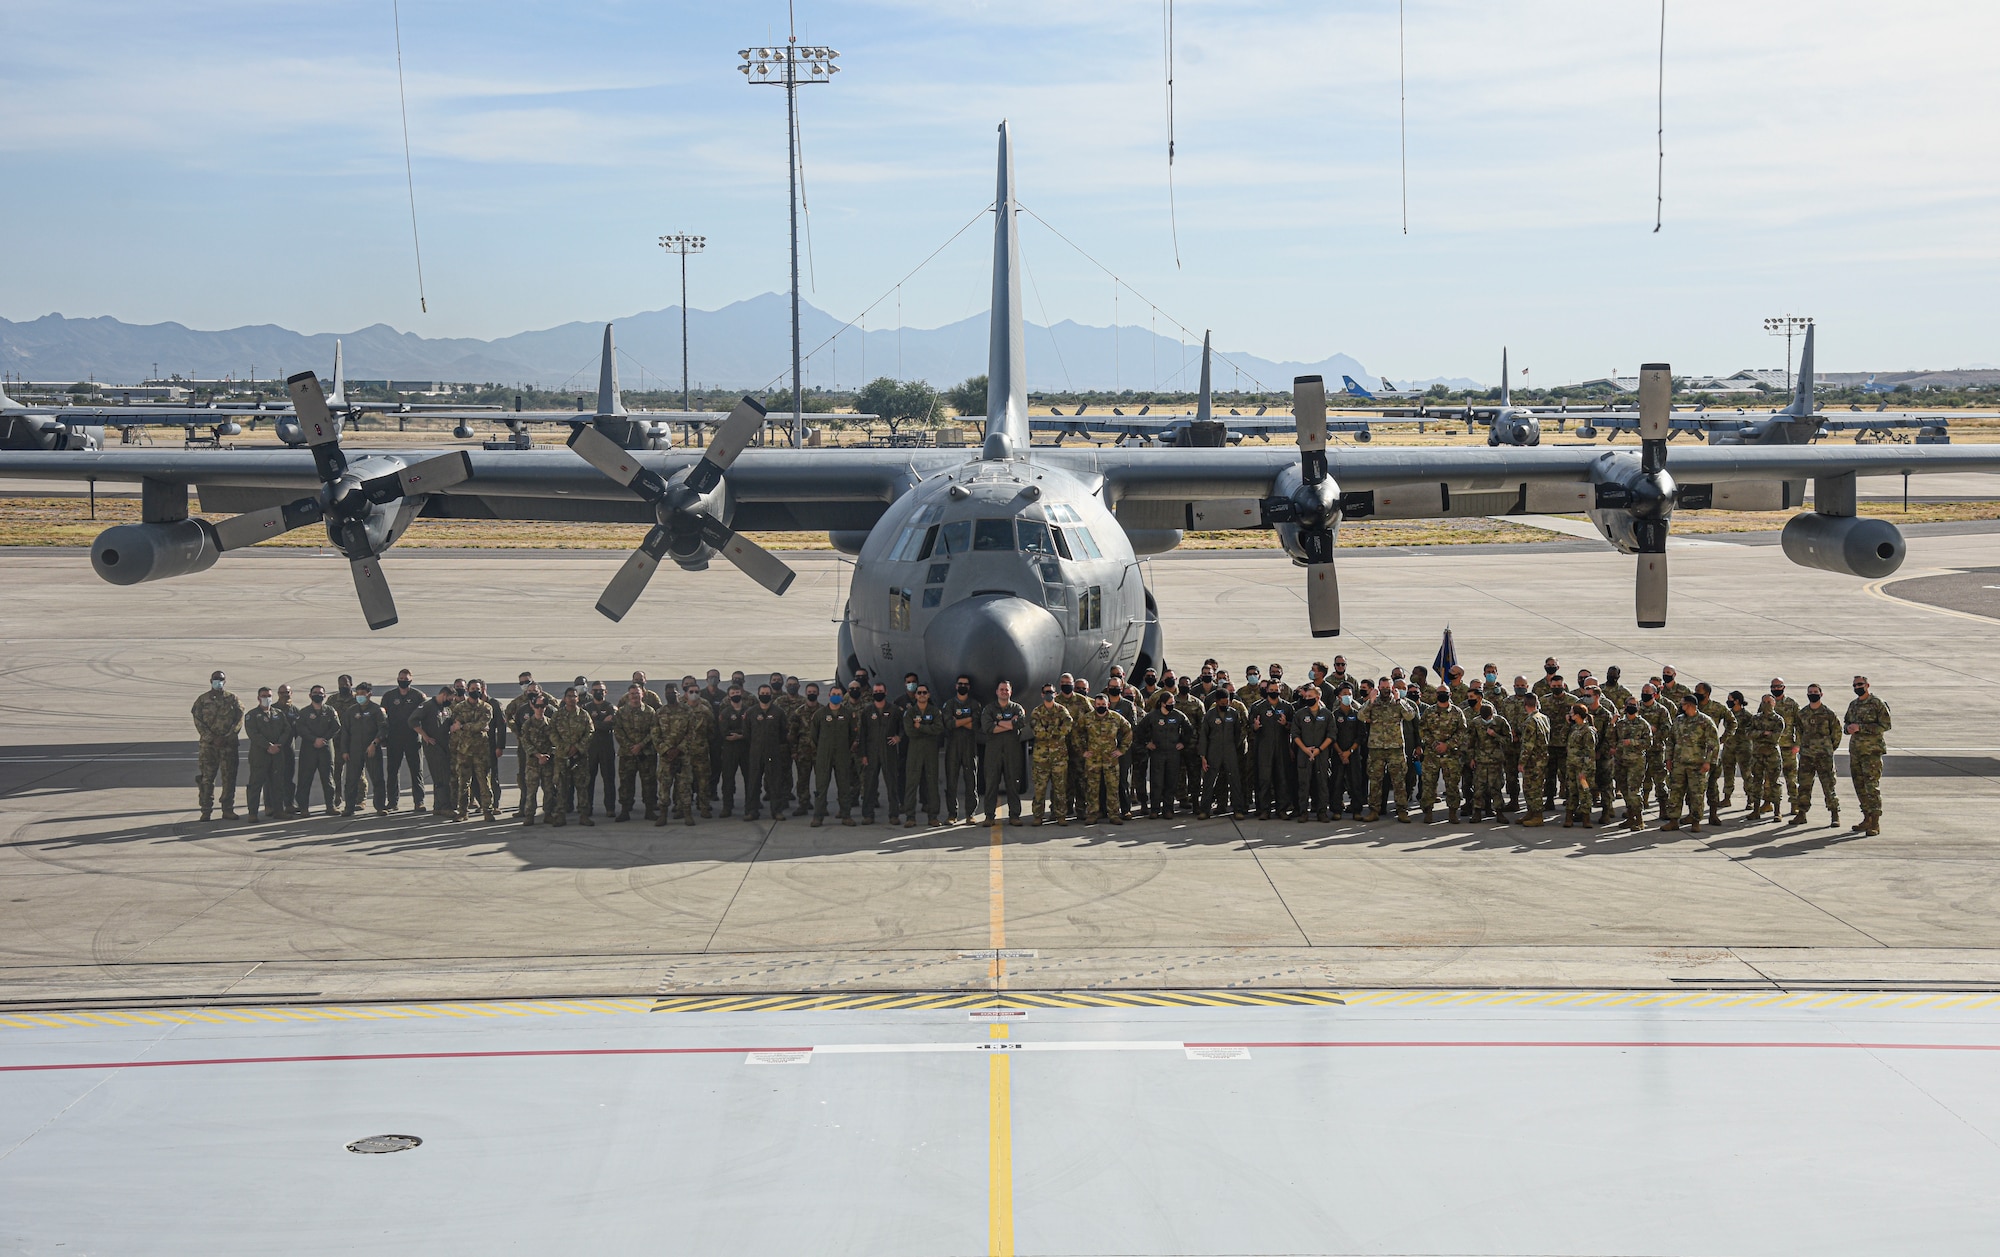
(774, 490)
(1190, 475)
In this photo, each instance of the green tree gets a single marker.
(898, 401)
(968, 399)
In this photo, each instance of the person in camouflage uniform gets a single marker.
(1556, 701)
(218, 714)
(1655, 713)
(1788, 743)
(342, 702)
(1107, 737)
(701, 736)
(1512, 707)
(471, 749)
(1534, 744)
(804, 726)
(1384, 716)
(1735, 751)
(791, 703)
(1671, 690)
(1582, 759)
(1696, 744)
(673, 774)
(1632, 751)
(632, 726)
(1443, 736)
(1725, 725)
(1819, 737)
(1760, 780)
(536, 738)
(1866, 721)
(1602, 721)
(266, 731)
(1491, 735)
(570, 730)
(1049, 725)
(1071, 694)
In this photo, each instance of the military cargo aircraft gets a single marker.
(1004, 562)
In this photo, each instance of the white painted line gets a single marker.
(1003, 1045)
(996, 1014)
(779, 1058)
(997, 953)
(1218, 1053)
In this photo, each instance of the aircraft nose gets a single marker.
(992, 639)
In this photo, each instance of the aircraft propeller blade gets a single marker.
(254, 526)
(428, 476)
(309, 405)
(1309, 414)
(605, 454)
(1323, 599)
(1650, 591)
(373, 590)
(757, 563)
(630, 582)
(730, 439)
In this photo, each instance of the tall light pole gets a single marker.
(791, 65)
(682, 243)
(1787, 326)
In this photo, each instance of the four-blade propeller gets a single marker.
(1647, 496)
(682, 507)
(350, 504)
(1313, 508)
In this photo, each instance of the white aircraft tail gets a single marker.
(1506, 385)
(8, 403)
(337, 400)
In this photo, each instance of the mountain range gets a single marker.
(744, 345)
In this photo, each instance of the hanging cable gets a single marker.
(812, 274)
(409, 175)
(1403, 115)
(1037, 290)
(1173, 215)
(1660, 134)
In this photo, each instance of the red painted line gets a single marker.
(1608, 1043)
(400, 1056)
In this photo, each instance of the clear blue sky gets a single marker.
(226, 163)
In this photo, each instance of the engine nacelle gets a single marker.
(1509, 428)
(463, 431)
(128, 554)
(289, 431)
(229, 427)
(1291, 484)
(1852, 545)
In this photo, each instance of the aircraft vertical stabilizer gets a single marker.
(337, 400)
(1204, 409)
(1506, 385)
(1006, 353)
(608, 400)
(1802, 390)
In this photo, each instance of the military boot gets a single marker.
(1833, 815)
(661, 819)
(1860, 826)
(208, 811)
(1403, 815)
(1874, 822)
(1604, 815)
(1372, 815)
(1533, 819)
(1451, 814)
(1428, 818)
(1671, 824)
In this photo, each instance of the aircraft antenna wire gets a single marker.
(409, 175)
(1660, 128)
(1046, 326)
(894, 290)
(1118, 281)
(799, 137)
(1403, 115)
(1173, 216)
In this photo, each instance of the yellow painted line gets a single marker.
(999, 1152)
(996, 909)
(1874, 589)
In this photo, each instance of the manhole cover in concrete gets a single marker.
(384, 1143)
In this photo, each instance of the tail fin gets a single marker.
(8, 403)
(337, 400)
(1802, 391)
(1354, 389)
(1006, 349)
(1204, 409)
(1506, 385)
(608, 400)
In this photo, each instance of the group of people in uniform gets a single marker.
(1158, 745)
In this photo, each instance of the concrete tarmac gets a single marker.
(118, 894)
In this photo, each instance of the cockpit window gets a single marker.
(1034, 536)
(953, 539)
(993, 534)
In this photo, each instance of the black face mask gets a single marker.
(1631, 709)
(765, 699)
(402, 685)
(318, 699)
(1777, 691)
(1860, 689)
(347, 689)
(792, 688)
(1520, 689)
(1550, 669)
(965, 689)
(1812, 698)
(1068, 688)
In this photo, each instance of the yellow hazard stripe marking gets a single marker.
(934, 1001)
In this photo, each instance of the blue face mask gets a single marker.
(836, 698)
(1491, 677)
